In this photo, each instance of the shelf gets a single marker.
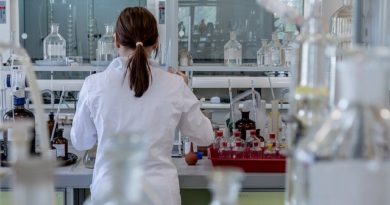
(240, 82)
(58, 85)
(226, 106)
(81, 68)
(222, 68)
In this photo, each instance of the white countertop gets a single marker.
(194, 177)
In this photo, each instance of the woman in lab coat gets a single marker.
(136, 97)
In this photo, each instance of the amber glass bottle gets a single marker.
(50, 124)
(61, 144)
(19, 113)
(245, 125)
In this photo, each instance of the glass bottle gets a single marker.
(244, 125)
(262, 53)
(261, 138)
(346, 160)
(54, 45)
(225, 149)
(19, 113)
(249, 143)
(289, 51)
(341, 25)
(105, 45)
(232, 51)
(238, 148)
(255, 148)
(275, 49)
(50, 124)
(90, 157)
(270, 151)
(225, 185)
(61, 144)
(310, 99)
(217, 145)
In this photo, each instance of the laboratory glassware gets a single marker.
(346, 160)
(225, 185)
(263, 54)
(275, 49)
(61, 144)
(90, 157)
(341, 25)
(244, 125)
(271, 145)
(232, 51)
(289, 51)
(32, 177)
(54, 45)
(123, 184)
(105, 45)
(311, 84)
(18, 113)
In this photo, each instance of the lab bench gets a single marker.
(192, 179)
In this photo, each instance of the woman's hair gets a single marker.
(136, 28)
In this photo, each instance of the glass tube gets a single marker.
(341, 25)
(225, 185)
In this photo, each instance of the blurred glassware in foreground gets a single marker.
(225, 185)
(346, 160)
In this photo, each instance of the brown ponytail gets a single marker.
(136, 28)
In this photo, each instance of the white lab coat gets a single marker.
(107, 106)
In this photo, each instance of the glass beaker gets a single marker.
(225, 185)
(54, 45)
(90, 157)
(346, 160)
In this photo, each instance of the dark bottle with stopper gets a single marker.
(244, 125)
(19, 113)
(61, 144)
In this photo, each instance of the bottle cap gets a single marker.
(199, 155)
(237, 134)
(252, 132)
(51, 116)
(272, 136)
(220, 133)
(19, 101)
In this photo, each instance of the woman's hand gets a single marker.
(179, 73)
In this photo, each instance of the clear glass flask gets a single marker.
(275, 49)
(347, 159)
(341, 25)
(105, 45)
(232, 51)
(225, 185)
(262, 53)
(54, 45)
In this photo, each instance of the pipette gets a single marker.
(231, 104)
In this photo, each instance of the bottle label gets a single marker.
(233, 57)
(349, 182)
(60, 150)
(247, 135)
(55, 50)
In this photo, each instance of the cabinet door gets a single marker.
(74, 19)
(204, 27)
